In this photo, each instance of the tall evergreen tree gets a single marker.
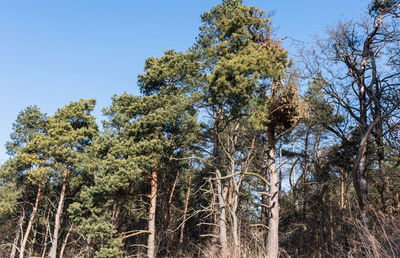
(70, 131)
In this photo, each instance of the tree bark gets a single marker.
(273, 222)
(235, 192)
(305, 172)
(17, 235)
(46, 234)
(222, 189)
(64, 244)
(29, 227)
(362, 88)
(185, 209)
(264, 197)
(167, 211)
(152, 214)
(20, 231)
(32, 246)
(53, 250)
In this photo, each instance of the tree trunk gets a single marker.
(29, 227)
(17, 235)
(305, 172)
(64, 244)
(273, 222)
(53, 250)
(362, 96)
(235, 227)
(32, 247)
(222, 189)
(46, 234)
(186, 205)
(167, 211)
(235, 182)
(152, 214)
(362, 179)
(20, 231)
(264, 197)
(342, 190)
(386, 194)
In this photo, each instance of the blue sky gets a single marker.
(54, 52)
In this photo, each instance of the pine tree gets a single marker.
(243, 64)
(70, 131)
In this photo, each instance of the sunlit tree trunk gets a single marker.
(32, 218)
(57, 223)
(222, 189)
(65, 242)
(152, 214)
(273, 222)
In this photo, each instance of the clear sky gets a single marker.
(54, 52)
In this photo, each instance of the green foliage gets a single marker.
(238, 55)
(172, 70)
(383, 6)
(139, 132)
(111, 249)
(9, 196)
(29, 123)
(318, 109)
(71, 130)
(90, 217)
(238, 82)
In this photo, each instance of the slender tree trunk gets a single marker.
(342, 190)
(362, 177)
(235, 227)
(20, 231)
(46, 234)
(32, 247)
(222, 189)
(363, 185)
(152, 214)
(167, 198)
(235, 183)
(185, 209)
(53, 250)
(28, 229)
(17, 235)
(385, 194)
(331, 230)
(65, 242)
(167, 215)
(115, 214)
(14, 247)
(305, 172)
(171, 195)
(273, 222)
(264, 197)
